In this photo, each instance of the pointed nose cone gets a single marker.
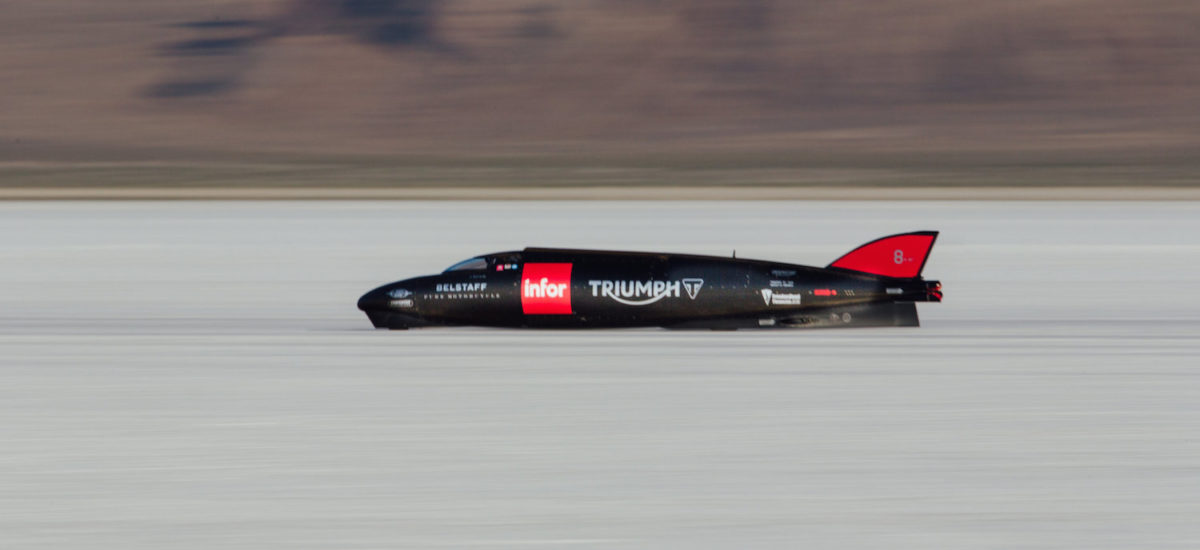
(375, 305)
(374, 300)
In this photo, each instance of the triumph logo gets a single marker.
(644, 293)
(546, 289)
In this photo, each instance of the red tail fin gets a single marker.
(901, 256)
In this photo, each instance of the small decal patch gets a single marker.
(773, 298)
(692, 286)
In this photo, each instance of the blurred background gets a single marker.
(396, 93)
(195, 374)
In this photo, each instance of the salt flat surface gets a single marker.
(195, 375)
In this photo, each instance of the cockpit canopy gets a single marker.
(474, 264)
(483, 263)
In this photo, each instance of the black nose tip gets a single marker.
(374, 300)
(375, 304)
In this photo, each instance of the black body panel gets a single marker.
(564, 288)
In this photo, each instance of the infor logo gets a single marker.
(546, 289)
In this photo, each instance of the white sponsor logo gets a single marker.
(543, 289)
(402, 303)
(641, 293)
(461, 287)
(783, 284)
(399, 293)
(773, 298)
(785, 299)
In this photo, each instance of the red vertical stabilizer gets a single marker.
(901, 256)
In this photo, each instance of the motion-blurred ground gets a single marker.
(599, 92)
(195, 376)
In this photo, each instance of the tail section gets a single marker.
(902, 256)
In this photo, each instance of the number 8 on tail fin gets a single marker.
(901, 256)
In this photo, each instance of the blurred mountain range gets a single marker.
(1057, 82)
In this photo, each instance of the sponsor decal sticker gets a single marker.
(401, 303)
(462, 296)
(644, 293)
(399, 293)
(546, 289)
(825, 292)
(783, 284)
(461, 287)
(773, 298)
(783, 272)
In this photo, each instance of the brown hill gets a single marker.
(649, 86)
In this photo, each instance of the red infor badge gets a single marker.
(546, 289)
